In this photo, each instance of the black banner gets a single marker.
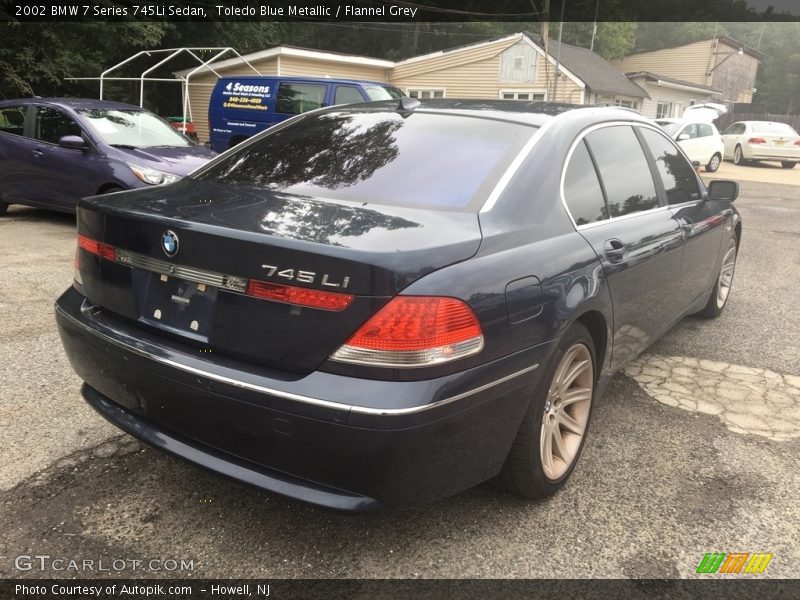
(396, 11)
(485, 589)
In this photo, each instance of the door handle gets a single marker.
(614, 249)
(38, 153)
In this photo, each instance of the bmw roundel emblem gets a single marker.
(169, 243)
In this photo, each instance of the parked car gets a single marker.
(700, 140)
(241, 107)
(762, 140)
(385, 304)
(54, 151)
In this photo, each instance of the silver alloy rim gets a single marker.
(566, 411)
(737, 155)
(726, 274)
(714, 165)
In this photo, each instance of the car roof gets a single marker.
(518, 111)
(74, 103)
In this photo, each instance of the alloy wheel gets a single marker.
(566, 411)
(726, 274)
(713, 164)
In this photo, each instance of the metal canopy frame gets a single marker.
(184, 80)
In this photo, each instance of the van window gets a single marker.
(296, 98)
(347, 94)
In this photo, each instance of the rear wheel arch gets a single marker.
(597, 325)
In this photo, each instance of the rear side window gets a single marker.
(773, 129)
(296, 98)
(434, 161)
(582, 190)
(12, 119)
(347, 94)
(623, 169)
(677, 175)
(52, 124)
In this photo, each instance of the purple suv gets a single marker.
(54, 151)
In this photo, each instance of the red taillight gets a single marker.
(756, 140)
(97, 248)
(797, 142)
(297, 295)
(414, 331)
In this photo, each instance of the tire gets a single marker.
(738, 157)
(722, 286)
(525, 472)
(3, 208)
(788, 164)
(714, 163)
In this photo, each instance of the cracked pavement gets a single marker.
(693, 449)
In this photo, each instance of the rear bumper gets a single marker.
(758, 152)
(335, 441)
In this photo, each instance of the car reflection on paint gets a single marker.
(487, 266)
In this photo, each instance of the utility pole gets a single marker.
(594, 24)
(558, 52)
(546, 43)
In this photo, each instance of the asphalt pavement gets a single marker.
(661, 481)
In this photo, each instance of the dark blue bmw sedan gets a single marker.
(54, 151)
(385, 304)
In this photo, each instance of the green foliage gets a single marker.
(612, 39)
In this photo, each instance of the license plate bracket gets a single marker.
(179, 304)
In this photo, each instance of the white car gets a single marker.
(762, 140)
(699, 139)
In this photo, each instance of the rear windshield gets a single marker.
(437, 161)
(773, 128)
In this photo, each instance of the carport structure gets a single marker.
(185, 78)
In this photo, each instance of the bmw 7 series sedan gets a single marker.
(384, 304)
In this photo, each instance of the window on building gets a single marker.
(678, 110)
(52, 125)
(12, 119)
(521, 95)
(623, 169)
(627, 104)
(677, 175)
(296, 98)
(426, 93)
(582, 191)
(663, 110)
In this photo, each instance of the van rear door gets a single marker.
(240, 107)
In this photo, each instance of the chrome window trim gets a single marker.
(365, 410)
(514, 166)
(568, 158)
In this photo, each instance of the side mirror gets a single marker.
(73, 142)
(683, 136)
(723, 190)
